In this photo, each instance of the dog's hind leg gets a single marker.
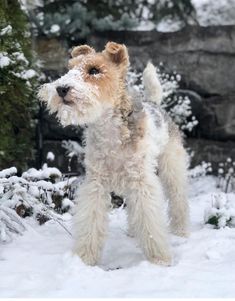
(91, 221)
(146, 218)
(173, 173)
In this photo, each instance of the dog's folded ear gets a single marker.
(117, 53)
(82, 50)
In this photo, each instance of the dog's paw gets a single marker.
(160, 261)
(181, 233)
(89, 260)
(87, 257)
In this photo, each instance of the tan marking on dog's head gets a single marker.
(106, 69)
(114, 53)
(95, 79)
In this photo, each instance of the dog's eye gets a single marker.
(93, 71)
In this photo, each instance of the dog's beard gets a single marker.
(83, 107)
(77, 114)
(67, 115)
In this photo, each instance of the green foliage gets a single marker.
(17, 83)
(77, 19)
(215, 221)
(221, 212)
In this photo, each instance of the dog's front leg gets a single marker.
(145, 203)
(91, 221)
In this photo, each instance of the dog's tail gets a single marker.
(153, 88)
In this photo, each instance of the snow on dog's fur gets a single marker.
(128, 151)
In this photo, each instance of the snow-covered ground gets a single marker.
(40, 263)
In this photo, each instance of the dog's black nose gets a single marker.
(62, 91)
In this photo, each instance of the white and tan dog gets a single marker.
(128, 150)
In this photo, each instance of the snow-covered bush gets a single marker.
(223, 171)
(77, 19)
(201, 170)
(221, 213)
(10, 223)
(43, 194)
(226, 175)
(178, 107)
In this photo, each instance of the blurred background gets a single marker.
(191, 42)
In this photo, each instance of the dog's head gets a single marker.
(94, 82)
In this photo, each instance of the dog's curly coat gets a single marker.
(125, 145)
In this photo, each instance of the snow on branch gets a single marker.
(8, 172)
(42, 194)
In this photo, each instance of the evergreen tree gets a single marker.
(75, 19)
(17, 83)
